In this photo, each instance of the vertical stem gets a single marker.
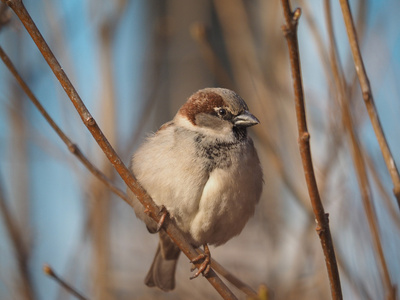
(290, 31)
(358, 157)
(368, 98)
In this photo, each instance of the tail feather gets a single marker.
(162, 270)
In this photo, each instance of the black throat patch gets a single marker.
(218, 154)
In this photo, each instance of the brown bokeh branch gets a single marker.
(368, 98)
(387, 198)
(99, 215)
(357, 154)
(153, 77)
(323, 230)
(199, 33)
(20, 249)
(73, 148)
(49, 271)
(172, 230)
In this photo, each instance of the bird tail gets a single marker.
(162, 270)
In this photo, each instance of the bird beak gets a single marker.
(245, 119)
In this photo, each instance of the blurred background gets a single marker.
(134, 63)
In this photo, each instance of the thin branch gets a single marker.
(73, 148)
(49, 271)
(246, 289)
(290, 31)
(368, 98)
(169, 225)
(358, 158)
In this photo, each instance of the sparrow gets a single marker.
(203, 169)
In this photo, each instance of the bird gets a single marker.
(203, 169)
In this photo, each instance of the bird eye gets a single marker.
(222, 111)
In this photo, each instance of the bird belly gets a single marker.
(227, 202)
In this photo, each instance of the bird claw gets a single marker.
(205, 266)
(163, 214)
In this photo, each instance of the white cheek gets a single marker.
(182, 121)
(223, 132)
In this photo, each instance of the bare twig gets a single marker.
(246, 289)
(169, 224)
(230, 277)
(49, 271)
(368, 98)
(290, 30)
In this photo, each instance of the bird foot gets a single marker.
(205, 265)
(163, 214)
